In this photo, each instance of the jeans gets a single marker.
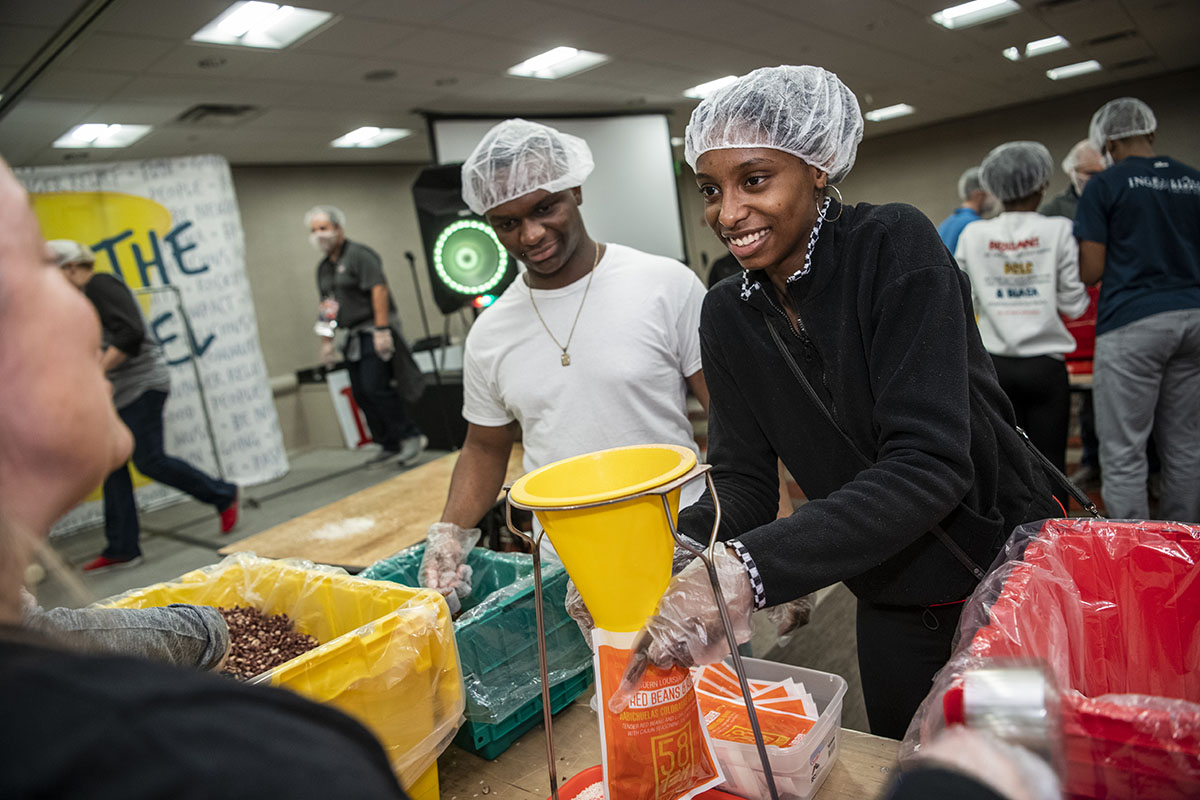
(179, 634)
(144, 418)
(1147, 380)
(371, 383)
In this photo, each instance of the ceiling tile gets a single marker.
(114, 52)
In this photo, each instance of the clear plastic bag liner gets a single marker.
(1112, 610)
(496, 631)
(387, 655)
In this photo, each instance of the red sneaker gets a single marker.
(101, 563)
(229, 516)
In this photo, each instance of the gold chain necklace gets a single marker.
(566, 358)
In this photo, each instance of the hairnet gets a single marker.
(969, 183)
(66, 251)
(804, 111)
(335, 215)
(1076, 155)
(1016, 169)
(517, 157)
(1120, 119)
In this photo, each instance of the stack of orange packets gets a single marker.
(785, 709)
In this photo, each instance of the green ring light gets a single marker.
(462, 252)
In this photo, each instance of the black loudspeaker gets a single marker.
(467, 263)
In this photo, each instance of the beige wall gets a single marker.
(920, 167)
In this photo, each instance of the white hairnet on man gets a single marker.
(1015, 170)
(67, 251)
(1120, 119)
(517, 157)
(969, 183)
(804, 111)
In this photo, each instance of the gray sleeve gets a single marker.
(179, 634)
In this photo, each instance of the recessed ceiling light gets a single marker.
(1071, 70)
(100, 134)
(703, 90)
(557, 63)
(974, 13)
(889, 112)
(1047, 45)
(250, 23)
(370, 136)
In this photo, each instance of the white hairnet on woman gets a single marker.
(517, 157)
(1016, 169)
(851, 335)
(805, 111)
(1120, 119)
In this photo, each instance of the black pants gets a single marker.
(371, 383)
(144, 418)
(900, 648)
(1040, 392)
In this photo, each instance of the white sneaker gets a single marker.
(411, 449)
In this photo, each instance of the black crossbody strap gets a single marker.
(815, 399)
(1061, 479)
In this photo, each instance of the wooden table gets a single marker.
(863, 767)
(375, 523)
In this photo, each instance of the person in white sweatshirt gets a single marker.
(1024, 271)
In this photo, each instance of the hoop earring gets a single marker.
(841, 206)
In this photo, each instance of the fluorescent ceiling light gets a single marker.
(99, 134)
(557, 63)
(250, 23)
(703, 90)
(889, 112)
(974, 13)
(1048, 45)
(1012, 53)
(370, 136)
(1071, 70)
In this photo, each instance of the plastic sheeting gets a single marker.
(497, 630)
(1112, 611)
(387, 655)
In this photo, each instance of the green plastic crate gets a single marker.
(497, 644)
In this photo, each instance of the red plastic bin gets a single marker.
(587, 777)
(1114, 609)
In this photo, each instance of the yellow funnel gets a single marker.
(619, 553)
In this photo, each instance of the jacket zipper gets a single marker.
(806, 339)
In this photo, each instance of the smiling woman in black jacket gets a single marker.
(848, 350)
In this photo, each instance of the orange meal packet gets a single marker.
(657, 748)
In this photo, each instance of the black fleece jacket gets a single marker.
(889, 342)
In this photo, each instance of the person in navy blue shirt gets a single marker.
(1138, 226)
(976, 203)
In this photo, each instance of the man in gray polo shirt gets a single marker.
(354, 293)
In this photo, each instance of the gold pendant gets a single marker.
(566, 359)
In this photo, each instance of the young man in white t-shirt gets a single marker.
(594, 346)
(1024, 271)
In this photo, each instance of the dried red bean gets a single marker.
(259, 642)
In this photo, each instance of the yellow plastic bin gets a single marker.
(387, 655)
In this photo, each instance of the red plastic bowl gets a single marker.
(596, 774)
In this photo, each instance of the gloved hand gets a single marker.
(577, 611)
(328, 354)
(794, 615)
(1011, 771)
(444, 567)
(686, 628)
(385, 348)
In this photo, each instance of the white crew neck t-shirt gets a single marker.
(637, 339)
(1024, 271)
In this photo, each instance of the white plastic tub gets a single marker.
(800, 769)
